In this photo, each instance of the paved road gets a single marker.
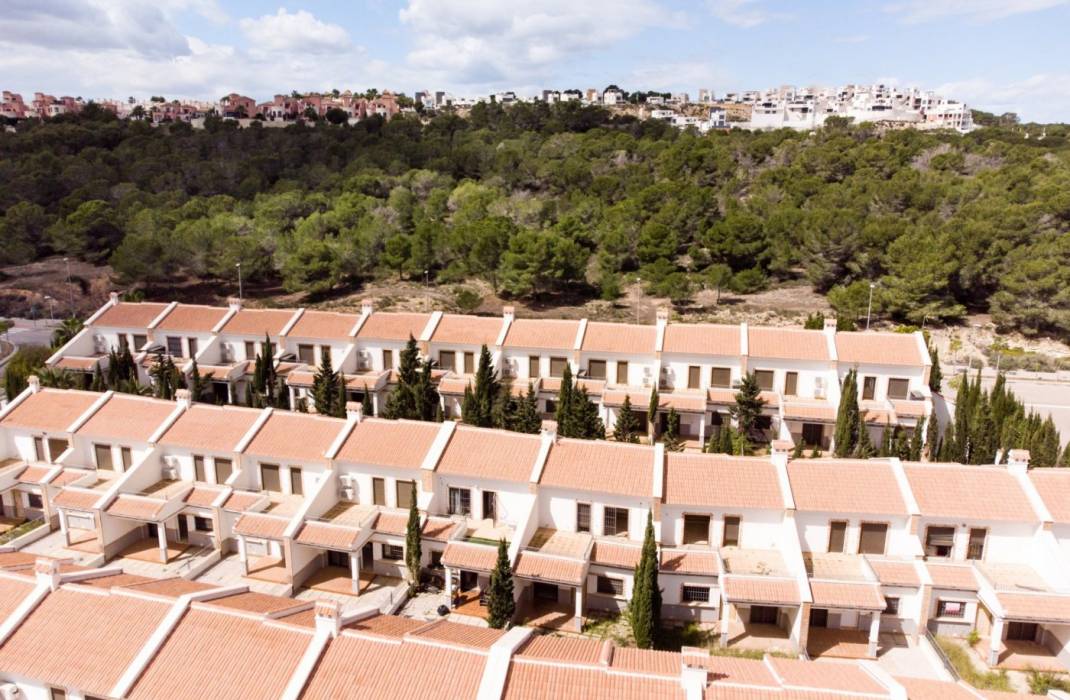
(27, 332)
(1046, 393)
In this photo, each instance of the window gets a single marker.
(557, 366)
(139, 342)
(891, 606)
(791, 383)
(378, 491)
(976, 549)
(622, 372)
(297, 486)
(950, 608)
(325, 351)
(198, 468)
(34, 499)
(56, 447)
(533, 366)
(693, 379)
(403, 493)
(813, 434)
(469, 363)
(897, 388)
(610, 586)
(39, 450)
(460, 501)
(436, 561)
(57, 694)
(695, 594)
(615, 522)
(393, 552)
(939, 541)
(871, 538)
(869, 387)
(127, 456)
(306, 354)
(202, 524)
(583, 517)
(223, 469)
(192, 342)
(269, 478)
(721, 377)
(446, 359)
(764, 377)
(696, 529)
(250, 350)
(490, 505)
(596, 369)
(388, 359)
(730, 537)
(837, 535)
(102, 454)
(174, 346)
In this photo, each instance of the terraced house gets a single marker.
(695, 367)
(798, 555)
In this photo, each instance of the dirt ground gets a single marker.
(35, 290)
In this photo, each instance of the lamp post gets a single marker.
(70, 287)
(427, 292)
(638, 296)
(239, 281)
(869, 307)
(51, 308)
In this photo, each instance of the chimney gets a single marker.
(663, 315)
(781, 447)
(355, 410)
(694, 672)
(509, 313)
(113, 298)
(367, 306)
(1018, 461)
(830, 324)
(46, 571)
(34, 382)
(184, 398)
(234, 303)
(328, 617)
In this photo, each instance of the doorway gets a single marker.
(763, 615)
(183, 529)
(544, 592)
(819, 617)
(367, 556)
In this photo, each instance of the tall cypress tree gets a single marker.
(914, 453)
(413, 548)
(563, 414)
(366, 405)
(325, 387)
(478, 407)
(748, 407)
(341, 397)
(652, 413)
(671, 438)
(645, 606)
(401, 403)
(527, 419)
(500, 603)
(932, 438)
(626, 427)
(846, 434)
(196, 384)
(936, 376)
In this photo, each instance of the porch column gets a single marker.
(874, 634)
(580, 603)
(449, 587)
(995, 641)
(375, 402)
(727, 610)
(702, 429)
(161, 535)
(243, 556)
(354, 571)
(63, 528)
(230, 393)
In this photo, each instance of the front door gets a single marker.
(763, 615)
(183, 529)
(367, 556)
(339, 559)
(1022, 631)
(819, 617)
(490, 505)
(153, 533)
(545, 592)
(469, 580)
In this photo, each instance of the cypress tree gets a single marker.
(413, 549)
(590, 424)
(500, 603)
(1064, 459)
(652, 413)
(645, 606)
(527, 415)
(932, 438)
(341, 398)
(671, 437)
(366, 405)
(748, 407)
(98, 380)
(564, 413)
(484, 394)
(626, 427)
(936, 377)
(426, 403)
(864, 446)
(914, 453)
(325, 387)
(196, 385)
(401, 403)
(846, 434)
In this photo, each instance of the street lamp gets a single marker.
(869, 307)
(239, 281)
(638, 295)
(427, 292)
(51, 308)
(70, 287)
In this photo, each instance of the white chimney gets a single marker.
(509, 313)
(328, 617)
(46, 571)
(355, 410)
(184, 398)
(830, 324)
(1018, 461)
(367, 306)
(113, 298)
(34, 382)
(234, 303)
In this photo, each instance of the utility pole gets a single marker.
(869, 307)
(70, 286)
(239, 281)
(51, 308)
(427, 292)
(638, 296)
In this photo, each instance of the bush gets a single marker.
(748, 281)
(983, 680)
(26, 361)
(1040, 682)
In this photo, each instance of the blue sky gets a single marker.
(995, 54)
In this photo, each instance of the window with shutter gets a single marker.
(596, 369)
(791, 383)
(764, 377)
(721, 377)
(103, 456)
(269, 478)
(693, 379)
(622, 372)
(897, 388)
(872, 537)
(837, 535)
(557, 366)
(223, 469)
(939, 541)
(696, 529)
(730, 537)
(378, 491)
(533, 367)
(403, 493)
(869, 388)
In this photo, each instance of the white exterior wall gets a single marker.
(812, 375)
(370, 352)
(83, 453)
(675, 367)
(758, 529)
(910, 601)
(513, 500)
(183, 459)
(362, 474)
(915, 375)
(311, 473)
(557, 509)
(338, 349)
(642, 369)
(814, 532)
(1007, 542)
(517, 361)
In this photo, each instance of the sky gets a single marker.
(996, 55)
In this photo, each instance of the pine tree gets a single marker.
(401, 403)
(652, 413)
(413, 550)
(846, 434)
(748, 407)
(325, 386)
(671, 438)
(500, 603)
(797, 453)
(425, 398)
(626, 427)
(1064, 459)
(864, 446)
(590, 424)
(645, 607)
(527, 418)
(936, 377)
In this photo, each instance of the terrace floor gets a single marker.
(336, 579)
(346, 513)
(573, 545)
(838, 643)
(84, 541)
(270, 569)
(148, 549)
(488, 530)
(1020, 655)
(468, 604)
(551, 616)
(760, 637)
(7, 524)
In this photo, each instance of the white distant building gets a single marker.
(612, 97)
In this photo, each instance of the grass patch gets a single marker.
(1040, 682)
(960, 659)
(483, 540)
(21, 530)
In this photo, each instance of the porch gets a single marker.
(1022, 655)
(758, 636)
(268, 569)
(838, 644)
(549, 615)
(150, 549)
(471, 604)
(338, 580)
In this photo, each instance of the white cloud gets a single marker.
(676, 76)
(285, 31)
(1043, 97)
(916, 11)
(742, 13)
(489, 42)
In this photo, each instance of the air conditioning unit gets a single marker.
(10, 691)
(819, 387)
(347, 480)
(363, 360)
(171, 461)
(100, 345)
(346, 493)
(170, 474)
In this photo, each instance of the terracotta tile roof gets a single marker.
(128, 505)
(127, 314)
(760, 589)
(12, 592)
(210, 428)
(787, 344)
(597, 465)
(240, 501)
(50, 409)
(537, 681)
(624, 338)
(846, 678)
(908, 409)
(171, 587)
(721, 396)
(618, 555)
(190, 318)
(392, 523)
(258, 322)
(729, 669)
(33, 475)
(389, 443)
(647, 661)
(67, 476)
(688, 402)
(256, 525)
(809, 410)
(437, 529)
(542, 567)
(389, 626)
(1047, 608)
(458, 634)
(702, 339)
(295, 436)
(895, 573)
(454, 385)
(121, 580)
(13, 561)
(968, 493)
(855, 596)
(563, 649)
(952, 576)
(339, 537)
(253, 602)
(878, 348)
(721, 481)
(594, 387)
(78, 364)
(1053, 485)
(472, 557)
(490, 454)
(689, 561)
(845, 486)
(925, 689)
(467, 330)
(323, 325)
(543, 333)
(393, 326)
(91, 655)
(358, 667)
(78, 500)
(260, 658)
(128, 418)
(202, 496)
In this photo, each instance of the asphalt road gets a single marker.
(27, 332)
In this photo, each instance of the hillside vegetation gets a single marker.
(558, 203)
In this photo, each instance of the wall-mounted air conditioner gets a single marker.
(170, 474)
